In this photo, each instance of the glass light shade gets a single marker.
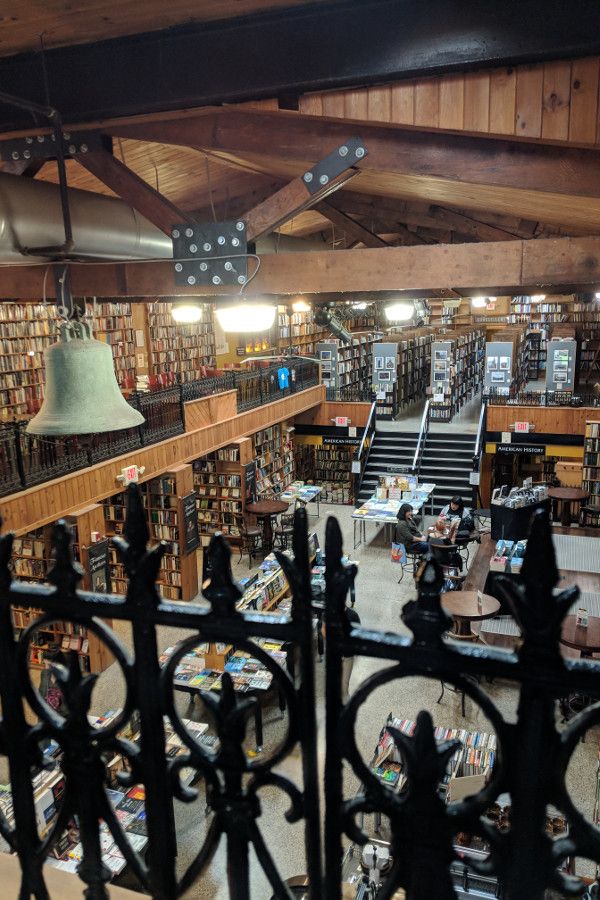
(246, 317)
(399, 312)
(479, 302)
(300, 306)
(186, 313)
(537, 298)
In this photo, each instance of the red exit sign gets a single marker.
(341, 421)
(523, 427)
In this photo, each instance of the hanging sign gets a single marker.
(522, 449)
(191, 538)
(97, 563)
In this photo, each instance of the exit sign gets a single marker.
(523, 427)
(341, 421)
(130, 474)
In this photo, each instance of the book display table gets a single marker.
(298, 492)
(385, 512)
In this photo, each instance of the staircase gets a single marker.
(389, 449)
(447, 461)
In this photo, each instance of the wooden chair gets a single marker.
(283, 531)
(412, 560)
(250, 539)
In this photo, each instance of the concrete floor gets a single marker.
(379, 603)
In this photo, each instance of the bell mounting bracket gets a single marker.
(210, 253)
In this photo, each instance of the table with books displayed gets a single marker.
(299, 492)
(202, 668)
(467, 773)
(384, 511)
(128, 804)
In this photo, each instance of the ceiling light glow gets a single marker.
(246, 317)
(399, 312)
(186, 313)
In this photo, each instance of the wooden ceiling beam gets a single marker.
(444, 157)
(351, 227)
(288, 202)
(522, 266)
(134, 190)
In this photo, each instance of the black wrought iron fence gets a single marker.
(28, 460)
(533, 754)
(350, 394)
(541, 398)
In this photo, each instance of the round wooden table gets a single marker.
(265, 509)
(584, 639)
(567, 495)
(464, 608)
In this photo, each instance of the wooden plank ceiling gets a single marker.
(388, 205)
(62, 23)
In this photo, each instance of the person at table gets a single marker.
(456, 516)
(407, 532)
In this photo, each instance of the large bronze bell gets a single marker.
(82, 395)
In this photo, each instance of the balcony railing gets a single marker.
(533, 750)
(541, 398)
(28, 460)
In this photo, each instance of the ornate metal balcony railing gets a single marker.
(541, 398)
(27, 460)
(533, 752)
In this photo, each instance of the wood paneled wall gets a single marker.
(45, 503)
(358, 413)
(547, 419)
(555, 101)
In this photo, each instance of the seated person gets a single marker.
(407, 532)
(457, 516)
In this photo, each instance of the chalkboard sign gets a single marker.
(191, 538)
(97, 565)
(249, 482)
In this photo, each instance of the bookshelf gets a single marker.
(113, 324)
(347, 366)
(32, 559)
(273, 453)
(401, 370)
(179, 352)
(332, 470)
(298, 330)
(457, 368)
(163, 499)
(26, 329)
(591, 470)
(224, 483)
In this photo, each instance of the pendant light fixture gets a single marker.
(186, 313)
(401, 311)
(479, 302)
(82, 395)
(246, 316)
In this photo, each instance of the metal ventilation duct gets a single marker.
(103, 227)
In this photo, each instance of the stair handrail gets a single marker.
(423, 432)
(361, 456)
(478, 451)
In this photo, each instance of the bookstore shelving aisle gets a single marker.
(113, 324)
(457, 366)
(26, 329)
(347, 367)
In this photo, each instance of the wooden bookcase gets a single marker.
(181, 352)
(222, 482)
(591, 470)
(32, 558)
(273, 454)
(26, 329)
(347, 366)
(163, 500)
(113, 324)
(463, 373)
(333, 471)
